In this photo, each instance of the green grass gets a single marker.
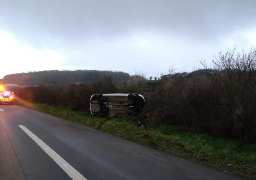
(74, 116)
(223, 154)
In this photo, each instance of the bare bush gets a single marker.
(136, 83)
(219, 101)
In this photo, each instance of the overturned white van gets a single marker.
(116, 104)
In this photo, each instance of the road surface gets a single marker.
(37, 146)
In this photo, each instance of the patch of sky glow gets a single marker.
(16, 57)
(251, 37)
(243, 40)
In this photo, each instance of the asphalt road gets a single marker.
(37, 146)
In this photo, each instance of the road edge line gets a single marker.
(65, 166)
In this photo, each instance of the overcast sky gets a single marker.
(148, 36)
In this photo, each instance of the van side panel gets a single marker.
(116, 104)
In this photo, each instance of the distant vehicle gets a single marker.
(7, 97)
(2, 88)
(116, 104)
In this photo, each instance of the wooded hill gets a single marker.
(62, 77)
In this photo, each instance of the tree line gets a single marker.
(56, 77)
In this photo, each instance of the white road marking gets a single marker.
(73, 173)
(1, 109)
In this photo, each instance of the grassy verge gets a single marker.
(223, 154)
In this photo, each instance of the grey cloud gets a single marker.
(69, 20)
